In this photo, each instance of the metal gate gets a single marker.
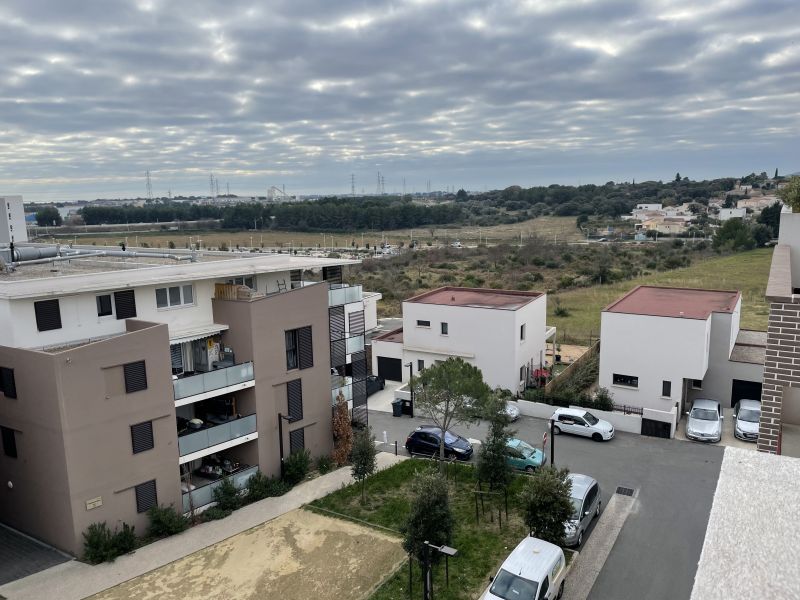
(656, 428)
(390, 368)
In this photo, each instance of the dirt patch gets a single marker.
(569, 353)
(299, 555)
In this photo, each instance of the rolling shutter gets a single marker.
(176, 357)
(7, 383)
(297, 440)
(305, 347)
(135, 377)
(338, 353)
(356, 322)
(294, 396)
(125, 303)
(48, 315)
(146, 496)
(295, 276)
(332, 274)
(142, 437)
(336, 315)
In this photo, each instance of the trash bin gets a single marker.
(397, 408)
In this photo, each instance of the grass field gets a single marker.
(746, 271)
(551, 228)
(481, 547)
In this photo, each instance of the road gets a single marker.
(656, 554)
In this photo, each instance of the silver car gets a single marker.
(586, 506)
(746, 415)
(705, 421)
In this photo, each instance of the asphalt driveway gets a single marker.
(657, 551)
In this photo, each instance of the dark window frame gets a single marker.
(48, 314)
(444, 328)
(423, 323)
(420, 364)
(8, 384)
(141, 492)
(294, 400)
(297, 440)
(142, 433)
(292, 349)
(105, 307)
(666, 389)
(630, 381)
(131, 373)
(9, 437)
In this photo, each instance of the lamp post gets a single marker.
(427, 588)
(281, 418)
(552, 444)
(410, 366)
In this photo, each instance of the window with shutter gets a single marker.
(135, 377)
(297, 440)
(125, 303)
(48, 315)
(305, 347)
(146, 496)
(338, 353)
(333, 275)
(104, 307)
(142, 437)
(336, 315)
(176, 358)
(294, 395)
(9, 442)
(356, 322)
(8, 385)
(292, 361)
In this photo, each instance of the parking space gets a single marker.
(21, 556)
(656, 553)
(728, 439)
(381, 401)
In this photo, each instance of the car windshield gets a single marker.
(577, 503)
(704, 414)
(749, 415)
(512, 587)
(449, 438)
(526, 450)
(590, 418)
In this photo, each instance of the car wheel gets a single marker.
(560, 591)
(409, 450)
(556, 430)
(597, 437)
(529, 469)
(579, 540)
(597, 510)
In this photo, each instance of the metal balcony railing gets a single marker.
(345, 294)
(218, 434)
(213, 380)
(205, 495)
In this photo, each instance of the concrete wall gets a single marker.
(654, 349)
(12, 220)
(371, 310)
(620, 421)
(73, 419)
(790, 236)
(257, 333)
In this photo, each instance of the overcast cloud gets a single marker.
(458, 92)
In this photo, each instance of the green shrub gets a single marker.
(124, 540)
(296, 467)
(100, 544)
(324, 464)
(603, 400)
(259, 486)
(165, 521)
(227, 496)
(214, 514)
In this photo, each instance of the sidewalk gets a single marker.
(75, 580)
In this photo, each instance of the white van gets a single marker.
(535, 569)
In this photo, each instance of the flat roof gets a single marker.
(477, 298)
(750, 549)
(687, 303)
(750, 347)
(395, 335)
(108, 274)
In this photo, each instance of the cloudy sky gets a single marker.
(304, 93)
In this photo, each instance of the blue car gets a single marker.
(523, 456)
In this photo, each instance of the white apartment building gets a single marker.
(665, 346)
(726, 214)
(501, 332)
(12, 220)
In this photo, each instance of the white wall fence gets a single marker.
(620, 421)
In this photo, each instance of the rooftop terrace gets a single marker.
(686, 303)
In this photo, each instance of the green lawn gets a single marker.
(481, 547)
(745, 271)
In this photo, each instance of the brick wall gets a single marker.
(781, 369)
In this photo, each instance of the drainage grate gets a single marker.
(625, 491)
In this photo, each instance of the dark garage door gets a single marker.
(749, 390)
(390, 368)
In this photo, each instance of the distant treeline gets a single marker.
(510, 205)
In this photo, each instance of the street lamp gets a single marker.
(281, 419)
(410, 366)
(427, 593)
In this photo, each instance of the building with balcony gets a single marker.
(502, 332)
(135, 379)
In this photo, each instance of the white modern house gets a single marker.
(726, 214)
(661, 347)
(501, 332)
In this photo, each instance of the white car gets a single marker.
(579, 421)
(535, 569)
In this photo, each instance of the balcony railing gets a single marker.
(345, 294)
(346, 390)
(213, 380)
(205, 494)
(355, 344)
(218, 434)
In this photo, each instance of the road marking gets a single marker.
(596, 549)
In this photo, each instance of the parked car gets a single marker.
(586, 504)
(521, 455)
(746, 415)
(512, 411)
(705, 421)
(534, 570)
(374, 384)
(581, 422)
(425, 440)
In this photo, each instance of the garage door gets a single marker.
(750, 390)
(390, 368)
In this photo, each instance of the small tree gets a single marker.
(450, 392)
(790, 194)
(493, 467)
(342, 431)
(48, 216)
(364, 458)
(546, 503)
(430, 518)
